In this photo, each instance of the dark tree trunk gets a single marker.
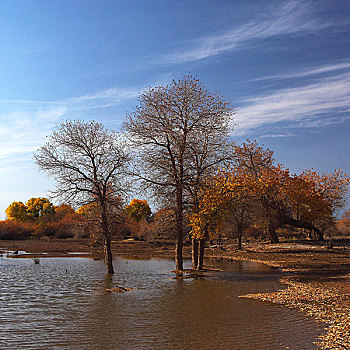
(179, 238)
(178, 255)
(201, 253)
(194, 253)
(107, 239)
(303, 224)
(273, 233)
(109, 255)
(239, 241)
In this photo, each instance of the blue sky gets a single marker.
(285, 65)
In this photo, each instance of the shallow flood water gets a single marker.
(62, 303)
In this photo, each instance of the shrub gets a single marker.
(48, 229)
(12, 230)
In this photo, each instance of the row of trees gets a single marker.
(173, 143)
(38, 218)
(257, 193)
(37, 209)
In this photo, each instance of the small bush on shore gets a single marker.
(17, 230)
(12, 230)
(48, 229)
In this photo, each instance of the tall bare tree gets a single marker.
(88, 163)
(168, 129)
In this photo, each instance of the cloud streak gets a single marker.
(23, 132)
(328, 68)
(322, 103)
(292, 18)
(25, 123)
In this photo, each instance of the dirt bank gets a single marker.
(61, 247)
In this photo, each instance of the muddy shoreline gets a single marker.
(317, 279)
(317, 283)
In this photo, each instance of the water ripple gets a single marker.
(62, 303)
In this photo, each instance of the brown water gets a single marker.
(61, 303)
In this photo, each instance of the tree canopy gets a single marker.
(139, 209)
(35, 208)
(178, 131)
(278, 198)
(17, 211)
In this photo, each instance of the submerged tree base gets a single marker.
(193, 273)
(119, 289)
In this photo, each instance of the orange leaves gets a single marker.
(89, 210)
(332, 187)
(310, 196)
(218, 198)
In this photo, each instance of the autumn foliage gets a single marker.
(258, 192)
(138, 209)
(38, 217)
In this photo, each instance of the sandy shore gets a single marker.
(317, 283)
(317, 279)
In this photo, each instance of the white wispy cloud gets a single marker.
(293, 17)
(285, 134)
(23, 131)
(313, 105)
(112, 95)
(328, 68)
(25, 123)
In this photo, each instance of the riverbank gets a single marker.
(317, 278)
(66, 247)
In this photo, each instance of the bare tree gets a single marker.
(88, 163)
(167, 129)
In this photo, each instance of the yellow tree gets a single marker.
(287, 199)
(283, 199)
(17, 211)
(224, 198)
(39, 208)
(325, 195)
(139, 209)
(266, 181)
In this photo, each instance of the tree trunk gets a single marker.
(109, 255)
(179, 238)
(178, 256)
(239, 241)
(319, 235)
(272, 233)
(303, 224)
(201, 253)
(107, 239)
(194, 253)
